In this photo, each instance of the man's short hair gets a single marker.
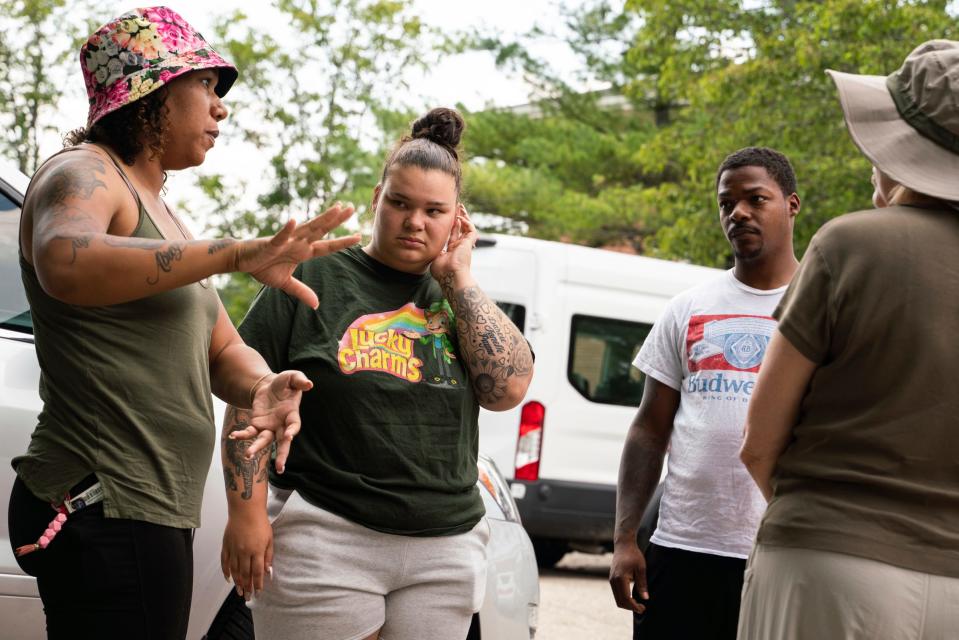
(776, 165)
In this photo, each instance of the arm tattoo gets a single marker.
(81, 241)
(219, 245)
(72, 180)
(240, 474)
(165, 259)
(55, 214)
(165, 253)
(494, 349)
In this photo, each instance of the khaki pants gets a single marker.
(802, 594)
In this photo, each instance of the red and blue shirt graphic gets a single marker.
(727, 342)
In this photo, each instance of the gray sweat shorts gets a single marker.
(334, 579)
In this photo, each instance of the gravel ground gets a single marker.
(576, 603)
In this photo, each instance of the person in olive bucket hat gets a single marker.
(852, 428)
(131, 338)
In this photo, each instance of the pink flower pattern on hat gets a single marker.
(139, 52)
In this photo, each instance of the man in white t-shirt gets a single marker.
(701, 360)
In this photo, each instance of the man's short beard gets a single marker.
(747, 257)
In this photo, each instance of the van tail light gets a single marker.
(530, 441)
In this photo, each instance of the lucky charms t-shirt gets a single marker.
(709, 344)
(389, 437)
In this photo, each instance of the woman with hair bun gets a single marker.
(377, 525)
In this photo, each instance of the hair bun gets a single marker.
(442, 126)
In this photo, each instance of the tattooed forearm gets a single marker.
(165, 253)
(219, 245)
(165, 259)
(240, 474)
(495, 352)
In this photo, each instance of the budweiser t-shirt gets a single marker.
(708, 345)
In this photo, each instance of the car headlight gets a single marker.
(492, 480)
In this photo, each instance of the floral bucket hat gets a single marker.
(139, 52)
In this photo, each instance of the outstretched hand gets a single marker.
(276, 415)
(272, 260)
(459, 249)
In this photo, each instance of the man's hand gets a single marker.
(628, 568)
(276, 414)
(247, 552)
(272, 260)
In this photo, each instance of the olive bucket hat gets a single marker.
(907, 123)
(139, 52)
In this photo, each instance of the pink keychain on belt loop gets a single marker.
(91, 496)
(51, 532)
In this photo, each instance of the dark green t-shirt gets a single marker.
(389, 437)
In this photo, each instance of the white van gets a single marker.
(586, 313)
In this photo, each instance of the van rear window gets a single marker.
(601, 352)
(515, 312)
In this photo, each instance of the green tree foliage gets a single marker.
(777, 94)
(563, 167)
(321, 101)
(700, 80)
(33, 57)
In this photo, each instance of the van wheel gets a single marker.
(549, 551)
(234, 620)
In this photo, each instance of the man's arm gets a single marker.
(639, 472)
(774, 409)
(247, 551)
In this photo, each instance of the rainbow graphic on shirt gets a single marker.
(384, 342)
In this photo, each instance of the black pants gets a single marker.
(692, 596)
(105, 578)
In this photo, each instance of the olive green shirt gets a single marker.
(873, 466)
(126, 395)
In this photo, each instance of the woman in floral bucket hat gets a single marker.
(852, 428)
(132, 339)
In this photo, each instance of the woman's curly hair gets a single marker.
(130, 129)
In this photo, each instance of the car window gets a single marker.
(515, 312)
(601, 353)
(14, 310)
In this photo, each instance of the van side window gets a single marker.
(14, 310)
(515, 312)
(601, 353)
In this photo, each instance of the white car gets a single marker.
(512, 592)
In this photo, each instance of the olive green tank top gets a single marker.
(126, 395)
